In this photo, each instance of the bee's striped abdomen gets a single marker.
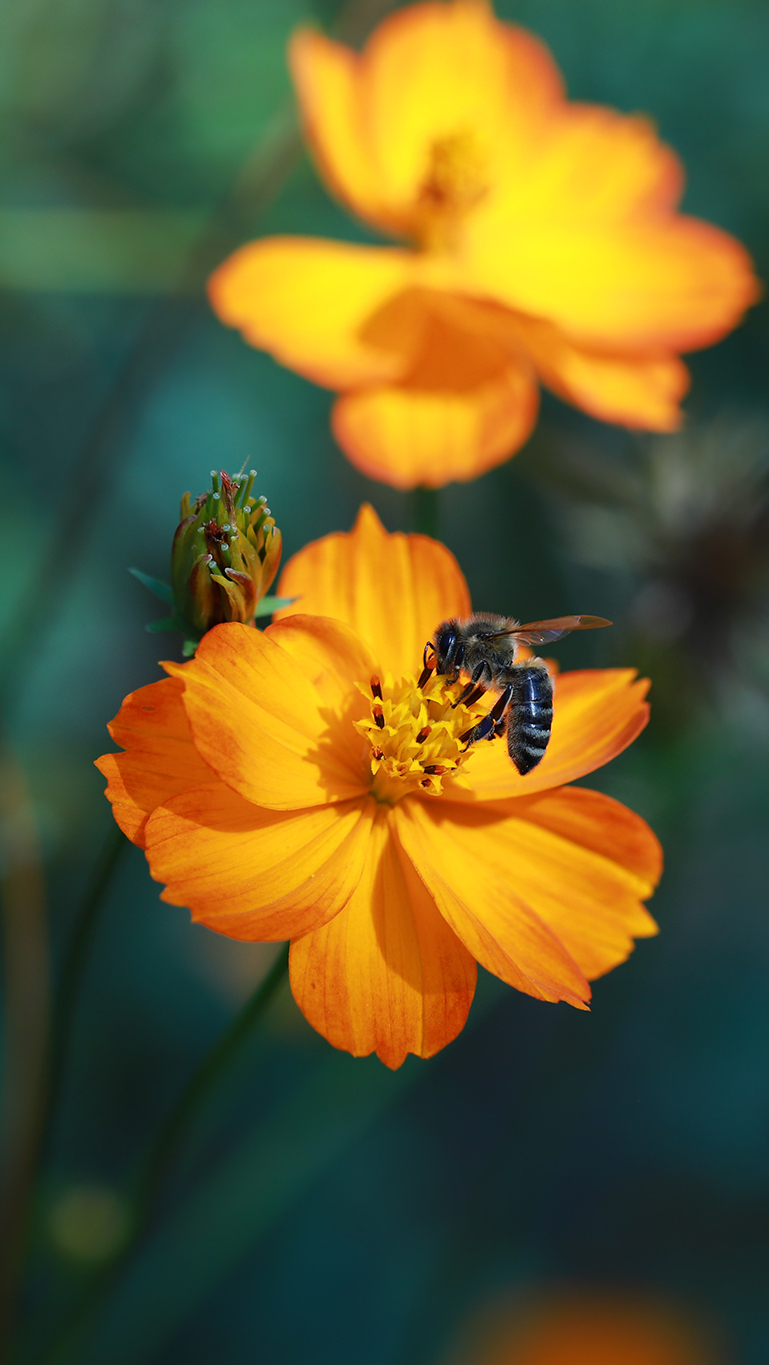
(530, 717)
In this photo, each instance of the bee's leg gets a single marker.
(488, 727)
(475, 688)
(499, 710)
(476, 693)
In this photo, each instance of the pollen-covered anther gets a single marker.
(415, 730)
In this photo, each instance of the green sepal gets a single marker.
(268, 605)
(161, 590)
(189, 647)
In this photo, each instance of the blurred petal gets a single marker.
(328, 86)
(667, 284)
(643, 392)
(407, 436)
(393, 590)
(252, 873)
(598, 712)
(595, 165)
(434, 71)
(264, 727)
(468, 400)
(582, 1326)
(580, 861)
(476, 900)
(160, 760)
(635, 390)
(386, 975)
(306, 302)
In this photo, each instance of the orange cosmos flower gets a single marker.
(594, 1329)
(544, 244)
(279, 796)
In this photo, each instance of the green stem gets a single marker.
(170, 1138)
(425, 511)
(77, 956)
(162, 1152)
(26, 1028)
(38, 1136)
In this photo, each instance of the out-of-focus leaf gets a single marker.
(96, 250)
(270, 604)
(161, 590)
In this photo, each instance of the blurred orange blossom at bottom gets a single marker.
(592, 1328)
(278, 795)
(542, 243)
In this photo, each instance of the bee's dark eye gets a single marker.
(445, 648)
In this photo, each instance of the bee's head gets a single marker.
(446, 644)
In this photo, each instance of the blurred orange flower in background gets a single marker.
(544, 245)
(301, 784)
(592, 1328)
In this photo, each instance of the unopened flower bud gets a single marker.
(225, 554)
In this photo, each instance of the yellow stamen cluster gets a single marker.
(418, 738)
(455, 181)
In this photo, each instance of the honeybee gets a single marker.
(485, 646)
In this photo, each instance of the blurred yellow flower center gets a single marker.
(418, 737)
(454, 182)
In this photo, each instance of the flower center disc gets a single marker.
(455, 180)
(418, 736)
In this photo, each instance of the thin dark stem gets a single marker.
(26, 1011)
(425, 511)
(38, 1136)
(171, 1136)
(149, 1182)
(65, 998)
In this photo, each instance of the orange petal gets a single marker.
(597, 165)
(408, 436)
(500, 930)
(328, 85)
(432, 72)
(428, 72)
(637, 391)
(598, 712)
(580, 861)
(668, 284)
(393, 590)
(306, 301)
(252, 873)
(468, 401)
(264, 727)
(587, 1326)
(161, 759)
(386, 975)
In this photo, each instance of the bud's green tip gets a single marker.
(225, 554)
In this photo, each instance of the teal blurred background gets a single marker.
(329, 1211)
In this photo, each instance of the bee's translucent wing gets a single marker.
(542, 632)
